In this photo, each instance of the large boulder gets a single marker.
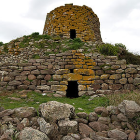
(25, 112)
(54, 110)
(129, 108)
(32, 134)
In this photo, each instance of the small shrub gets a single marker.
(1, 43)
(5, 48)
(130, 57)
(108, 49)
(120, 45)
(77, 40)
(35, 34)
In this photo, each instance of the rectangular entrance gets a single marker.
(72, 90)
(72, 33)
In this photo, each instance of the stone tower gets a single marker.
(73, 21)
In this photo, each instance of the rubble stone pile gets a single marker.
(58, 121)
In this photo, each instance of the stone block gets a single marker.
(31, 77)
(42, 67)
(85, 82)
(119, 71)
(20, 78)
(62, 71)
(32, 87)
(130, 80)
(69, 66)
(30, 68)
(121, 62)
(99, 72)
(67, 126)
(104, 86)
(81, 93)
(36, 72)
(104, 92)
(40, 60)
(129, 87)
(43, 87)
(63, 93)
(81, 87)
(84, 71)
(46, 72)
(72, 76)
(104, 76)
(23, 87)
(115, 86)
(47, 77)
(58, 87)
(115, 67)
(53, 83)
(115, 76)
(63, 82)
(131, 70)
(123, 81)
(136, 81)
(57, 77)
(86, 78)
(14, 83)
(25, 73)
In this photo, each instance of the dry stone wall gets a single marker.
(58, 121)
(93, 72)
(79, 18)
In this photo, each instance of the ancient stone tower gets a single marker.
(73, 21)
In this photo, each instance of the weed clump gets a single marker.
(75, 44)
(108, 49)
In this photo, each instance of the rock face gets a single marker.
(56, 122)
(54, 110)
(72, 13)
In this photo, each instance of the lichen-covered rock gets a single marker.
(66, 126)
(32, 134)
(129, 108)
(24, 112)
(45, 127)
(117, 134)
(54, 110)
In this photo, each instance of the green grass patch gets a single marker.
(35, 99)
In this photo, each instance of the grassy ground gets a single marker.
(35, 99)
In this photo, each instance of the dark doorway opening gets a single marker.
(72, 90)
(71, 70)
(72, 33)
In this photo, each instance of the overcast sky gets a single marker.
(119, 19)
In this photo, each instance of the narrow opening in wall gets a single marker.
(72, 33)
(71, 70)
(72, 89)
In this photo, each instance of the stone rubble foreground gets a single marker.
(58, 121)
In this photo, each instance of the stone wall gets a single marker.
(81, 18)
(93, 72)
(58, 121)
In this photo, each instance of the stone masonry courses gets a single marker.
(92, 73)
(73, 21)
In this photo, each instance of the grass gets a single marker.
(34, 99)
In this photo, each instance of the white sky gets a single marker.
(119, 19)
